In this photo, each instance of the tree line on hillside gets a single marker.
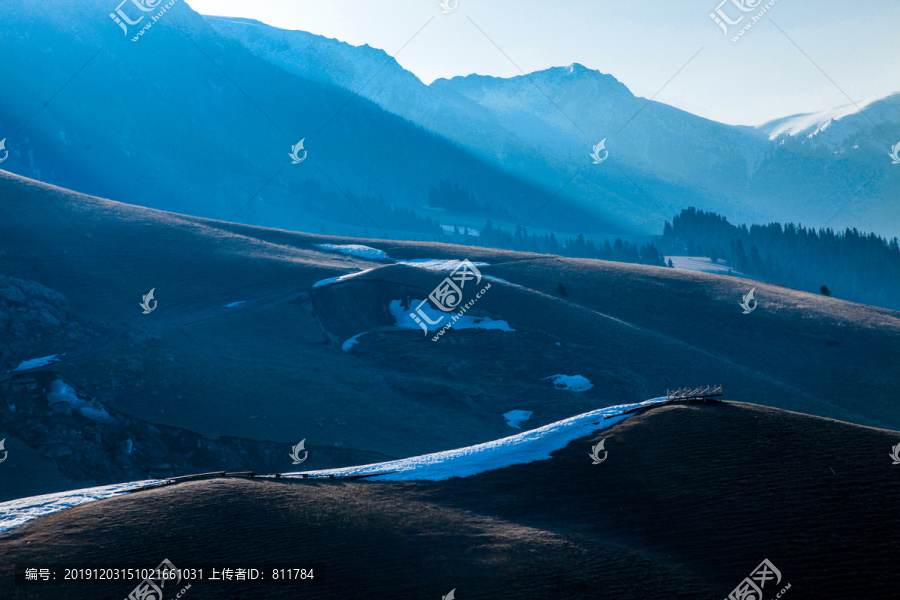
(453, 197)
(361, 210)
(849, 264)
(575, 247)
(368, 212)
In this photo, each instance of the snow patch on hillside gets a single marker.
(403, 319)
(34, 363)
(701, 265)
(431, 264)
(331, 280)
(17, 512)
(572, 383)
(492, 278)
(515, 418)
(352, 342)
(438, 264)
(60, 391)
(357, 250)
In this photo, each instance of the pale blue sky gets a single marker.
(642, 43)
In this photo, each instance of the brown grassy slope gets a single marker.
(272, 368)
(826, 347)
(689, 501)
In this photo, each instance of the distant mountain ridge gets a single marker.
(188, 120)
(211, 137)
(374, 75)
(510, 122)
(542, 125)
(838, 123)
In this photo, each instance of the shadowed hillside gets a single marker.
(690, 500)
(242, 344)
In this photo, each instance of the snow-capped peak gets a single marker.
(812, 124)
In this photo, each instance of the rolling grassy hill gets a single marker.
(271, 369)
(690, 500)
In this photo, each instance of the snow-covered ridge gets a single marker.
(530, 446)
(17, 512)
(811, 124)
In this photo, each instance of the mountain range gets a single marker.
(542, 125)
(207, 129)
(214, 106)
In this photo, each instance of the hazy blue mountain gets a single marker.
(513, 123)
(801, 168)
(214, 106)
(373, 74)
(563, 108)
(660, 156)
(835, 163)
(544, 124)
(187, 120)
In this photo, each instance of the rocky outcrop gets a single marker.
(29, 308)
(32, 314)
